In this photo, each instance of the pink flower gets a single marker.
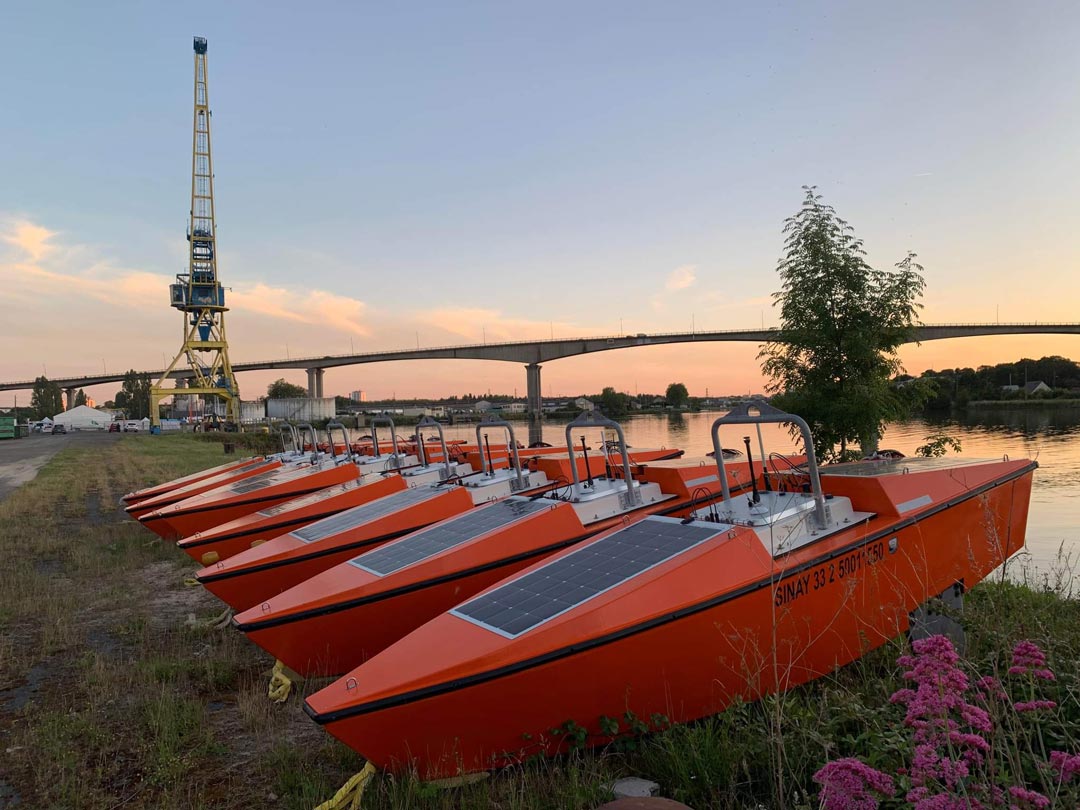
(1027, 799)
(1033, 705)
(1066, 765)
(848, 784)
(1027, 657)
(989, 686)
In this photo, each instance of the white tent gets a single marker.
(83, 417)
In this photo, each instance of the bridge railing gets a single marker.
(87, 379)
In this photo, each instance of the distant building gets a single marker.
(481, 406)
(358, 396)
(584, 404)
(1037, 387)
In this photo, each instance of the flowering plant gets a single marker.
(972, 745)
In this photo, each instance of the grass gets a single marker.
(119, 701)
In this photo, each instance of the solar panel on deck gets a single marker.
(307, 500)
(429, 542)
(567, 582)
(354, 517)
(253, 483)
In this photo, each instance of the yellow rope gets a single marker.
(348, 798)
(280, 684)
(219, 622)
(191, 582)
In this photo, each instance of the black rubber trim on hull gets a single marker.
(239, 572)
(204, 541)
(326, 610)
(658, 621)
(299, 493)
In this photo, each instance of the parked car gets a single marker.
(132, 426)
(114, 427)
(57, 429)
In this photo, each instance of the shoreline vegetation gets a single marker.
(116, 690)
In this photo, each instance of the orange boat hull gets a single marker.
(176, 483)
(144, 507)
(248, 578)
(722, 621)
(312, 627)
(228, 539)
(211, 508)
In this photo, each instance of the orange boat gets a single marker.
(277, 565)
(289, 450)
(377, 477)
(212, 507)
(397, 587)
(262, 467)
(677, 618)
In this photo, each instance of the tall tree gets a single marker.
(614, 404)
(280, 389)
(46, 399)
(841, 323)
(134, 395)
(80, 398)
(677, 395)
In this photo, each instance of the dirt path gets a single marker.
(21, 459)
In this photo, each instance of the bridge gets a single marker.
(533, 353)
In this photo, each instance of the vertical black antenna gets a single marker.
(753, 475)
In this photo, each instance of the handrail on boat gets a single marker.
(333, 423)
(491, 421)
(761, 413)
(288, 427)
(314, 439)
(384, 419)
(592, 419)
(427, 421)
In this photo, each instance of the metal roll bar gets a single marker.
(588, 419)
(384, 419)
(287, 427)
(427, 421)
(762, 413)
(314, 440)
(333, 423)
(491, 421)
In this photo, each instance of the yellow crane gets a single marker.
(198, 294)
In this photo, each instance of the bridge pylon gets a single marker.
(198, 294)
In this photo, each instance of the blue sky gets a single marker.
(438, 172)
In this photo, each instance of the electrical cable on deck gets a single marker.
(348, 798)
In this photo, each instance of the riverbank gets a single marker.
(1023, 403)
(114, 691)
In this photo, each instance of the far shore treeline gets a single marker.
(1006, 382)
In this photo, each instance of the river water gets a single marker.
(1048, 434)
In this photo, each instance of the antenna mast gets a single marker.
(198, 294)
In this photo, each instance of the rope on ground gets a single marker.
(280, 684)
(219, 622)
(348, 798)
(190, 580)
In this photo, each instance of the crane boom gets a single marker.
(198, 293)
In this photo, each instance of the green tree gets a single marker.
(280, 389)
(80, 398)
(46, 399)
(614, 404)
(134, 396)
(841, 323)
(677, 395)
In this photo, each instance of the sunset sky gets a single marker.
(440, 173)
